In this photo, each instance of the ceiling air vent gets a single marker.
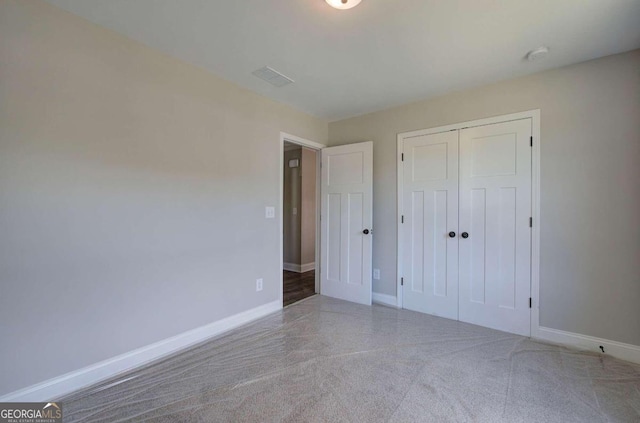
(273, 77)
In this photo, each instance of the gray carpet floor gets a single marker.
(325, 360)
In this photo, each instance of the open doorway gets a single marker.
(299, 224)
(342, 267)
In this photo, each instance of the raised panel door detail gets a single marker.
(332, 238)
(494, 155)
(438, 251)
(429, 162)
(345, 169)
(507, 210)
(356, 237)
(416, 222)
(477, 259)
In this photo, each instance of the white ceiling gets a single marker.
(380, 54)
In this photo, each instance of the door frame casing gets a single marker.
(534, 115)
(317, 147)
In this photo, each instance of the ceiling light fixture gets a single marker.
(538, 53)
(343, 4)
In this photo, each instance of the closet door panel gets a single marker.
(430, 210)
(495, 242)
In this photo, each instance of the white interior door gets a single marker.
(430, 224)
(495, 233)
(346, 220)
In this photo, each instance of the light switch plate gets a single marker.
(270, 212)
(258, 285)
(376, 274)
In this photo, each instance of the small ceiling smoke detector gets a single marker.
(343, 4)
(537, 54)
(272, 76)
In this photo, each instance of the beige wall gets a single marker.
(292, 191)
(308, 200)
(132, 194)
(590, 188)
(299, 192)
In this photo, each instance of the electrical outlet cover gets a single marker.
(270, 212)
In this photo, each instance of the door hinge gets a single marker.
(402, 157)
(531, 222)
(402, 219)
(529, 302)
(531, 141)
(401, 281)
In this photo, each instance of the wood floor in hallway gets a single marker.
(298, 286)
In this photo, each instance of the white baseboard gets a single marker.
(384, 299)
(62, 385)
(291, 267)
(308, 267)
(616, 349)
(298, 268)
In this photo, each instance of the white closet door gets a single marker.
(346, 219)
(495, 237)
(430, 210)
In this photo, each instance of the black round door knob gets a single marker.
(465, 235)
(366, 232)
(452, 234)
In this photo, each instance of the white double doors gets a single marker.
(465, 236)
